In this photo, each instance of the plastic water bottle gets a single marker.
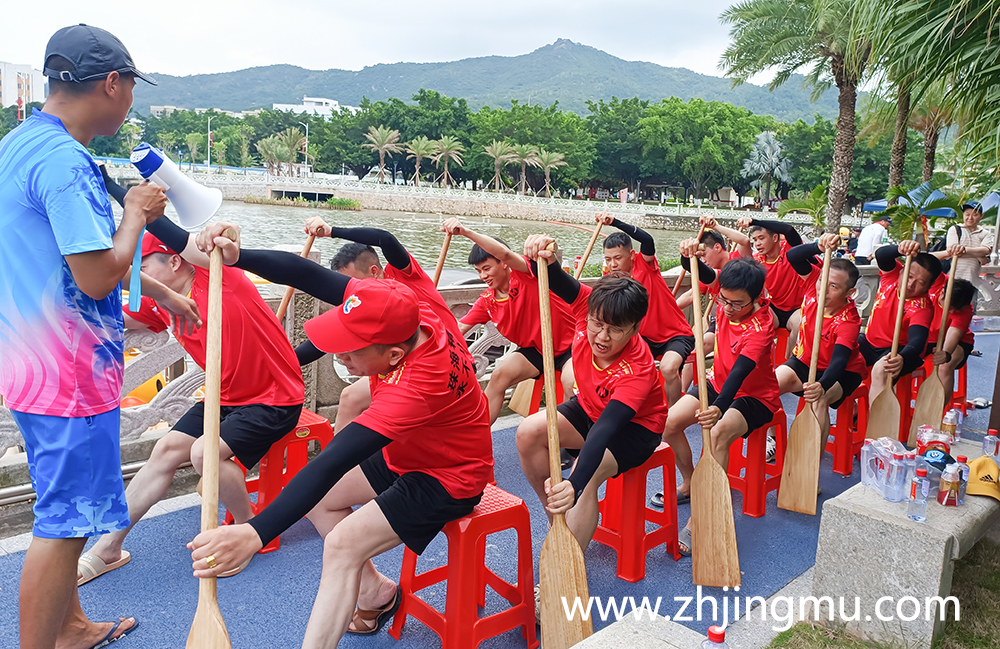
(716, 638)
(963, 472)
(949, 425)
(991, 444)
(895, 483)
(910, 459)
(869, 464)
(920, 488)
(948, 489)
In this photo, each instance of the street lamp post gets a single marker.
(210, 143)
(306, 153)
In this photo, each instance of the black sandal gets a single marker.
(377, 616)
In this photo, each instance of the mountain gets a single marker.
(564, 71)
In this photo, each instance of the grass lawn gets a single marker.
(976, 584)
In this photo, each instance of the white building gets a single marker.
(20, 81)
(320, 106)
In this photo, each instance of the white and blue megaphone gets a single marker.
(195, 204)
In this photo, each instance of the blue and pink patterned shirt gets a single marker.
(60, 350)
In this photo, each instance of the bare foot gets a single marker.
(385, 594)
(96, 632)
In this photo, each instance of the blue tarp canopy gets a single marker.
(880, 206)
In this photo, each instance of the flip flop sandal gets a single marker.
(657, 499)
(108, 639)
(684, 540)
(91, 567)
(363, 618)
(981, 404)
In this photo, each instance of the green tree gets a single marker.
(502, 153)
(618, 148)
(813, 204)
(244, 134)
(219, 150)
(292, 140)
(791, 35)
(420, 148)
(272, 153)
(384, 141)
(549, 160)
(767, 162)
(130, 136)
(193, 142)
(525, 155)
(447, 149)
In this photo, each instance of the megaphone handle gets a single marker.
(135, 282)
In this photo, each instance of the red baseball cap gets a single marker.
(151, 244)
(374, 312)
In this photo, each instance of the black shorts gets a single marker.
(631, 445)
(872, 355)
(249, 431)
(849, 381)
(966, 347)
(535, 357)
(753, 410)
(416, 505)
(781, 316)
(680, 345)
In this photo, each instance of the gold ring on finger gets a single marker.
(210, 560)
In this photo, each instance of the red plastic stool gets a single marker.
(906, 391)
(758, 476)
(283, 460)
(848, 438)
(624, 515)
(536, 393)
(960, 393)
(780, 355)
(460, 626)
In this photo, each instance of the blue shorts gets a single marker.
(75, 466)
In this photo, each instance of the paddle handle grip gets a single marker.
(824, 283)
(680, 278)
(901, 294)
(699, 348)
(586, 253)
(286, 299)
(549, 370)
(947, 304)
(441, 258)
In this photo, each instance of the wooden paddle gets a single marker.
(208, 630)
(287, 298)
(586, 253)
(800, 473)
(561, 570)
(680, 278)
(715, 559)
(444, 253)
(573, 225)
(931, 397)
(883, 414)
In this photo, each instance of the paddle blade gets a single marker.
(929, 408)
(520, 400)
(883, 415)
(800, 473)
(208, 631)
(715, 559)
(562, 576)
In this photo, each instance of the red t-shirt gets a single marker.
(916, 312)
(422, 284)
(258, 363)
(664, 319)
(433, 409)
(753, 338)
(517, 317)
(961, 319)
(842, 328)
(632, 380)
(784, 286)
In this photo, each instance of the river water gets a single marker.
(264, 226)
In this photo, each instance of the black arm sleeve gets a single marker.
(646, 244)
(564, 285)
(115, 190)
(706, 274)
(292, 270)
(838, 361)
(741, 370)
(916, 342)
(395, 253)
(786, 230)
(169, 233)
(886, 257)
(349, 448)
(308, 353)
(615, 415)
(801, 257)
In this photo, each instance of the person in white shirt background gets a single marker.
(871, 237)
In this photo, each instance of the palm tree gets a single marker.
(502, 153)
(813, 204)
(767, 162)
(448, 149)
(385, 141)
(525, 155)
(420, 148)
(272, 153)
(291, 141)
(792, 34)
(909, 211)
(192, 140)
(549, 160)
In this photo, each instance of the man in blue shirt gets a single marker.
(61, 333)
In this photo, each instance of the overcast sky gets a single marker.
(182, 37)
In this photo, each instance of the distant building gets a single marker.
(20, 81)
(162, 111)
(320, 106)
(166, 111)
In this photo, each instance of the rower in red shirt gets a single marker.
(876, 342)
(743, 391)
(510, 301)
(959, 341)
(615, 418)
(841, 368)
(261, 388)
(665, 328)
(772, 240)
(417, 458)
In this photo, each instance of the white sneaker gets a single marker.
(772, 447)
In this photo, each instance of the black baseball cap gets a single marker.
(93, 52)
